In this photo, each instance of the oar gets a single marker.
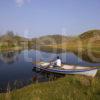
(44, 67)
(43, 70)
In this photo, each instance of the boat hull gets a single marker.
(91, 72)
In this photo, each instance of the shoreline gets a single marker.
(66, 87)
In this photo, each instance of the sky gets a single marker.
(33, 18)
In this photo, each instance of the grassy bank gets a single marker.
(71, 87)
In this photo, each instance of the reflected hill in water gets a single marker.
(9, 57)
(86, 57)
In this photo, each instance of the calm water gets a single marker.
(16, 67)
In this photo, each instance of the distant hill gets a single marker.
(58, 39)
(90, 34)
(11, 40)
(50, 39)
(9, 36)
(53, 39)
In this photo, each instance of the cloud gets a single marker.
(22, 2)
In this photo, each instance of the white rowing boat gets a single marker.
(67, 69)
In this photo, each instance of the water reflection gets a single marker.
(38, 77)
(9, 57)
(16, 71)
(86, 57)
(48, 76)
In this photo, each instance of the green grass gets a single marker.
(71, 87)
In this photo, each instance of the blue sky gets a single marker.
(41, 17)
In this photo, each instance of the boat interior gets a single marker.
(65, 66)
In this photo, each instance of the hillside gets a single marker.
(10, 41)
(58, 39)
(9, 36)
(53, 40)
(90, 34)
